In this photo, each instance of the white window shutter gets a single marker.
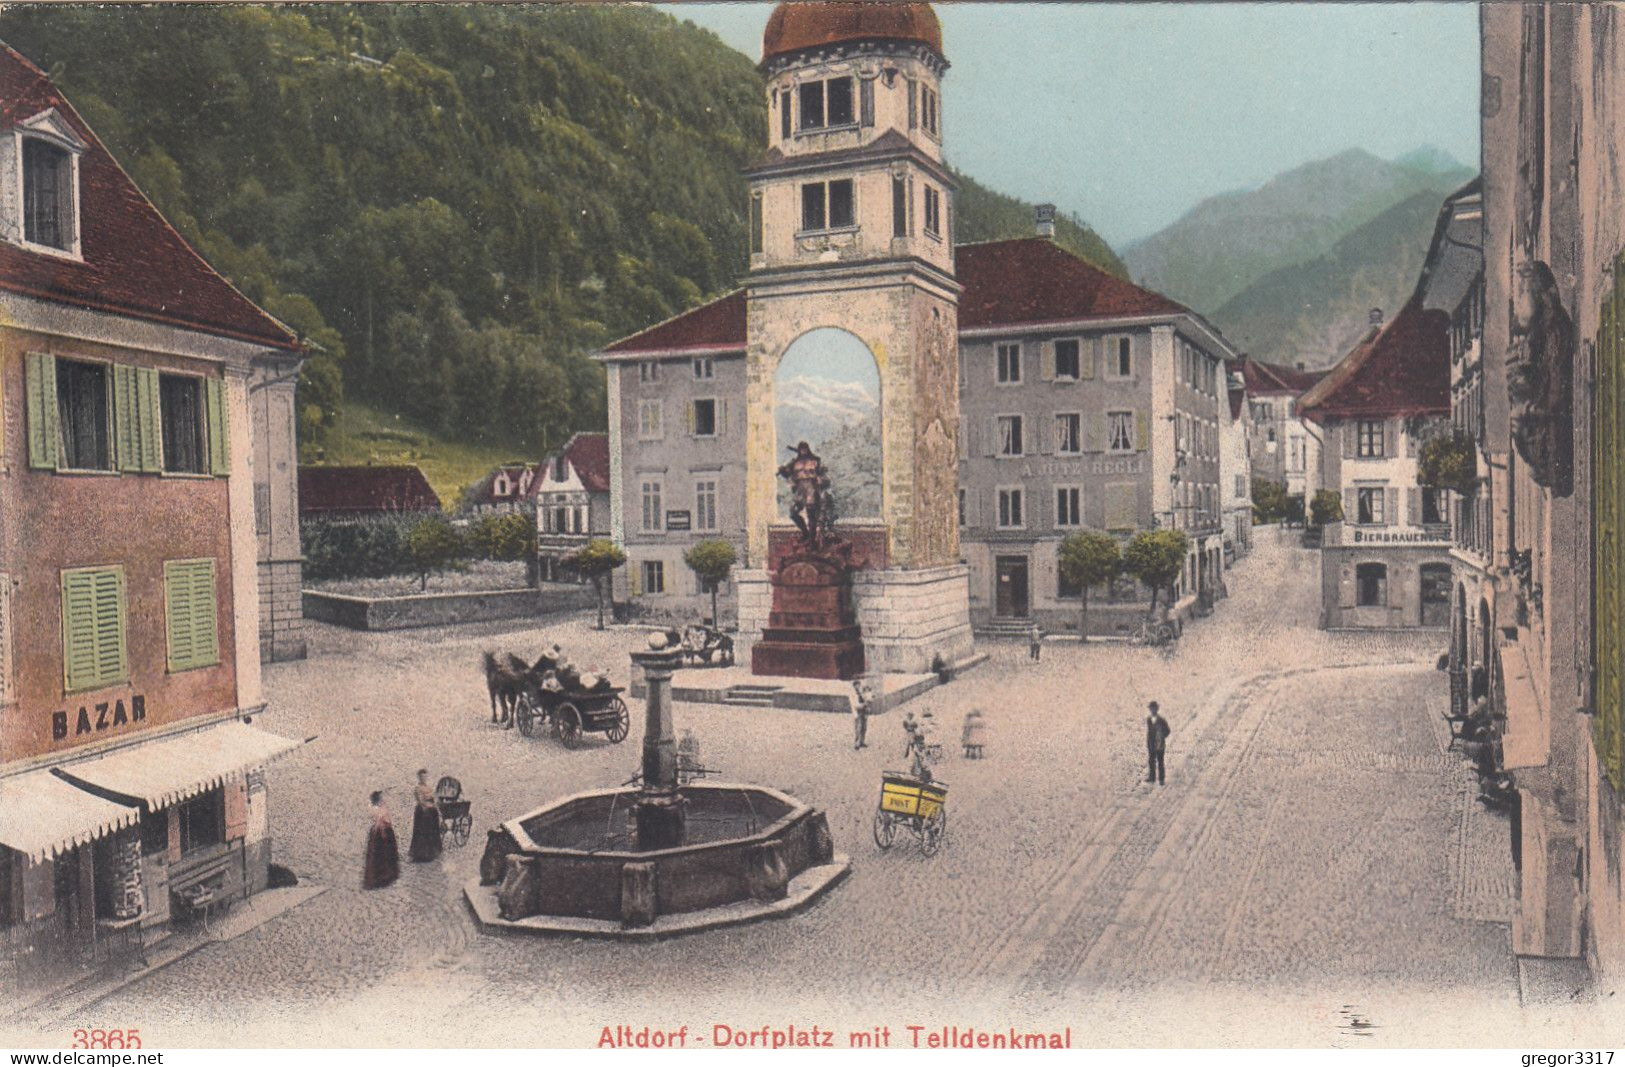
(1351, 505)
(1390, 514)
(993, 444)
(1046, 361)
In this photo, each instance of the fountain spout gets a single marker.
(659, 807)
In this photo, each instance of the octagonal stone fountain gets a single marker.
(659, 858)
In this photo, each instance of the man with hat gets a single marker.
(1156, 743)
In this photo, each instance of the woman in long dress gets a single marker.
(383, 856)
(425, 822)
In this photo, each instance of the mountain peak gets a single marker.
(1429, 159)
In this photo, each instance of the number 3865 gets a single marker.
(106, 1039)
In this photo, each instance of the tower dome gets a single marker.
(796, 26)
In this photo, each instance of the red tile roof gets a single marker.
(717, 325)
(134, 263)
(1403, 370)
(1026, 281)
(588, 454)
(333, 491)
(1270, 379)
(1032, 280)
(793, 27)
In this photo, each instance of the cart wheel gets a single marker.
(525, 715)
(933, 832)
(885, 830)
(568, 718)
(623, 721)
(461, 828)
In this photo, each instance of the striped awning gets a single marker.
(43, 816)
(165, 772)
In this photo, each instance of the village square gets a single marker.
(903, 621)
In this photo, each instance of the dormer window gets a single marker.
(47, 194)
(827, 104)
(43, 154)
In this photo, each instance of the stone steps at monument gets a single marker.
(751, 696)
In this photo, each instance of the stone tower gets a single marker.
(851, 228)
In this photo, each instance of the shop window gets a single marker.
(1371, 585)
(155, 833)
(203, 821)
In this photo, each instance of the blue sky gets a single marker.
(1130, 113)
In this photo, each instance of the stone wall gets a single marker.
(282, 615)
(443, 609)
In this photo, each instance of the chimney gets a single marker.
(1376, 316)
(1044, 220)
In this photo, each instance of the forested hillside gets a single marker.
(456, 203)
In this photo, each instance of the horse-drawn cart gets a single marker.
(575, 710)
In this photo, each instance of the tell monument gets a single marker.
(851, 220)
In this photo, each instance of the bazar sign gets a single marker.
(98, 718)
(1386, 537)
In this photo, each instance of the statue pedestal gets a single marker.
(812, 630)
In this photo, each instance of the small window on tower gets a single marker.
(840, 111)
(841, 211)
(933, 212)
(812, 106)
(899, 207)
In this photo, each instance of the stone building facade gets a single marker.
(1552, 392)
(133, 552)
(1281, 447)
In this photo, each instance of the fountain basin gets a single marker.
(572, 865)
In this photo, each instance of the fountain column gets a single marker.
(659, 807)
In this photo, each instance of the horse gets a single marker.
(505, 681)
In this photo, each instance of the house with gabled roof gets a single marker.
(149, 557)
(1282, 449)
(572, 502)
(1387, 564)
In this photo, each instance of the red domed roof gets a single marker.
(793, 27)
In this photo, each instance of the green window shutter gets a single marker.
(1142, 431)
(219, 429)
(126, 420)
(146, 404)
(189, 598)
(43, 449)
(93, 653)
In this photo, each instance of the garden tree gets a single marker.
(1269, 501)
(1156, 558)
(1326, 507)
(433, 545)
(1088, 558)
(596, 559)
(503, 537)
(711, 561)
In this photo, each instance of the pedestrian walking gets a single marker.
(860, 714)
(974, 735)
(425, 822)
(1156, 744)
(1035, 642)
(383, 862)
